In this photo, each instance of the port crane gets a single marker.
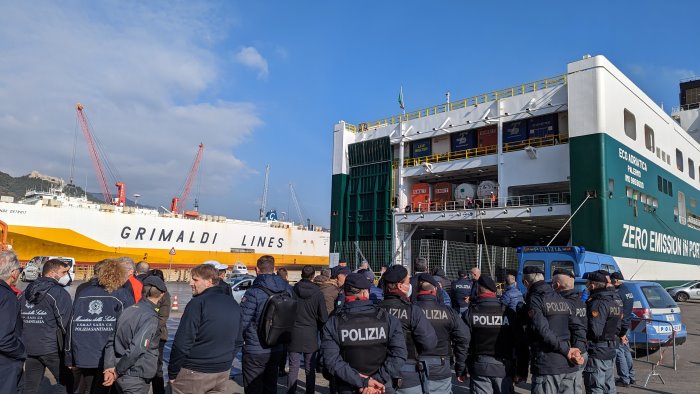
(120, 200)
(3, 237)
(263, 203)
(181, 201)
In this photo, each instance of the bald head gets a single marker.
(476, 273)
(562, 282)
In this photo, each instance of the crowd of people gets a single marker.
(397, 333)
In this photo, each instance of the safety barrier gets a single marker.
(463, 103)
(536, 142)
(661, 346)
(510, 201)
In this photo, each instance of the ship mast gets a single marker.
(263, 203)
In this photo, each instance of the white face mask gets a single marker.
(410, 290)
(64, 280)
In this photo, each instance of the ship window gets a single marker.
(628, 192)
(681, 208)
(649, 137)
(691, 168)
(663, 155)
(668, 159)
(660, 182)
(693, 202)
(670, 188)
(679, 160)
(658, 153)
(630, 125)
(665, 188)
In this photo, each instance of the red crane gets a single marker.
(94, 155)
(188, 186)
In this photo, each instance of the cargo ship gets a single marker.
(53, 223)
(584, 158)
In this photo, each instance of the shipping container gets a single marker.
(422, 148)
(514, 131)
(420, 196)
(487, 136)
(442, 193)
(543, 126)
(463, 140)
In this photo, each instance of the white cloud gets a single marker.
(141, 74)
(250, 57)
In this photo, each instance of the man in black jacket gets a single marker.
(549, 326)
(12, 352)
(207, 338)
(46, 312)
(311, 316)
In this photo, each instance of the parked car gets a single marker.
(239, 284)
(662, 317)
(30, 273)
(685, 292)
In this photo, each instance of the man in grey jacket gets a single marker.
(131, 355)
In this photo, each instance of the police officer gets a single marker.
(452, 336)
(563, 283)
(605, 326)
(461, 290)
(418, 333)
(549, 326)
(362, 345)
(496, 343)
(623, 359)
(131, 354)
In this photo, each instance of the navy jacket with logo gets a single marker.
(330, 348)
(11, 346)
(46, 310)
(252, 305)
(208, 336)
(95, 314)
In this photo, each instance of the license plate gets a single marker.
(670, 318)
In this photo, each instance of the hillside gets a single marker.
(17, 187)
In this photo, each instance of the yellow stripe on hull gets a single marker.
(28, 242)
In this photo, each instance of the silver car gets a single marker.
(686, 291)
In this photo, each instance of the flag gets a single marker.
(401, 103)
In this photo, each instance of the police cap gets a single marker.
(367, 274)
(564, 271)
(617, 276)
(337, 270)
(486, 282)
(531, 269)
(155, 282)
(357, 281)
(424, 277)
(596, 276)
(395, 274)
(462, 273)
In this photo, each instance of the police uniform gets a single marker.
(623, 359)
(549, 326)
(418, 333)
(452, 338)
(461, 288)
(361, 338)
(578, 337)
(604, 328)
(495, 337)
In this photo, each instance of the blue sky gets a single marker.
(264, 82)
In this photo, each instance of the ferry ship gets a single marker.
(53, 223)
(585, 158)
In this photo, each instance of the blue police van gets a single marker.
(574, 258)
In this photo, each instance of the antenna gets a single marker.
(296, 203)
(263, 202)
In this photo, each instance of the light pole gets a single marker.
(136, 199)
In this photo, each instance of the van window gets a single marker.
(534, 263)
(567, 265)
(658, 297)
(591, 266)
(607, 267)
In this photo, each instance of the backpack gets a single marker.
(277, 318)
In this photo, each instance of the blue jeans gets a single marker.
(624, 364)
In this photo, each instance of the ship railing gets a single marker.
(653, 352)
(486, 203)
(685, 107)
(535, 142)
(512, 91)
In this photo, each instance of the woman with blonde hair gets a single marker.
(95, 312)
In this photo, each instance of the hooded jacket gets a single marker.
(208, 336)
(11, 346)
(330, 291)
(133, 348)
(252, 305)
(46, 310)
(95, 314)
(311, 316)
